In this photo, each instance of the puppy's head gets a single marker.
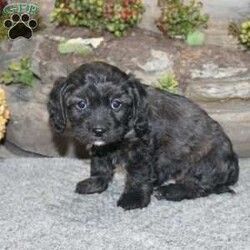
(102, 103)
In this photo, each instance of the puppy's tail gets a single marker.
(223, 189)
(233, 176)
(233, 169)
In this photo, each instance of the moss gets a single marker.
(75, 48)
(195, 38)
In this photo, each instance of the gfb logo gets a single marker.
(20, 23)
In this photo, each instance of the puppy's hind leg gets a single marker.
(212, 175)
(180, 191)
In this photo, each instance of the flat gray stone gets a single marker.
(15, 50)
(23, 46)
(217, 35)
(158, 62)
(147, 77)
(212, 89)
(52, 70)
(30, 131)
(211, 70)
(40, 211)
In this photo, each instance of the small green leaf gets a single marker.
(6, 78)
(26, 77)
(16, 66)
(25, 63)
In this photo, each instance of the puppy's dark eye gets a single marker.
(116, 104)
(81, 105)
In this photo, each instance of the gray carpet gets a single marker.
(39, 210)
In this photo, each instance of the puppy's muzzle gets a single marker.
(99, 131)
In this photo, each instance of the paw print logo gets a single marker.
(20, 26)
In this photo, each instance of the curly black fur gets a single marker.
(156, 135)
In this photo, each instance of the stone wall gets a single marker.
(225, 93)
(221, 89)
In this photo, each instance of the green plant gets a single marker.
(86, 13)
(3, 30)
(167, 82)
(241, 32)
(120, 15)
(19, 72)
(180, 19)
(115, 16)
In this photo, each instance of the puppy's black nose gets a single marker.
(99, 131)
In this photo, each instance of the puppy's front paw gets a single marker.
(92, 185)
(133, 200)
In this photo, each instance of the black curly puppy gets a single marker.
(156, 135)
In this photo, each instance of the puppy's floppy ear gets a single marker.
(140, 109)
(56, 105)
